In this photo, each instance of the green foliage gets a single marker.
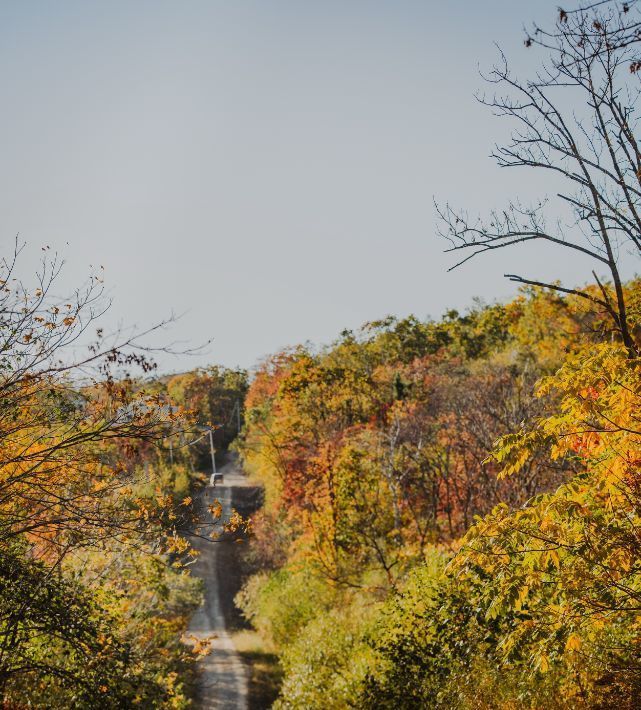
(326, 664)
(59, 647)
(436, 648)
(214, 397)
(280, 604)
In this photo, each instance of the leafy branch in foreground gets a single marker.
(93, 594)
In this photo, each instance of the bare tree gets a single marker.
(576, 119)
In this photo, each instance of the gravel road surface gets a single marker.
(223, 677)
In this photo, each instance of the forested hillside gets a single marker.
(453, 507)
(452, 511)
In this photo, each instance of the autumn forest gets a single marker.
(424, 513)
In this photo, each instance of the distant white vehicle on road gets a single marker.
(216, 478)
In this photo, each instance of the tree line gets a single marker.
(453, 507)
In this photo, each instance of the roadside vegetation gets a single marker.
(404, 557)
(95, 484)
(452, 507)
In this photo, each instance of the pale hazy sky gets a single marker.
(267, 167)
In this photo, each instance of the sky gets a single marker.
(265, 169)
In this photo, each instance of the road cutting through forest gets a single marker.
(222, 680)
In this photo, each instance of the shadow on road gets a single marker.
(223, 676)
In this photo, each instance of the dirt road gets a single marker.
(223, 677)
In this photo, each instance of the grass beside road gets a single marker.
(263, 671)
(265, 674)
